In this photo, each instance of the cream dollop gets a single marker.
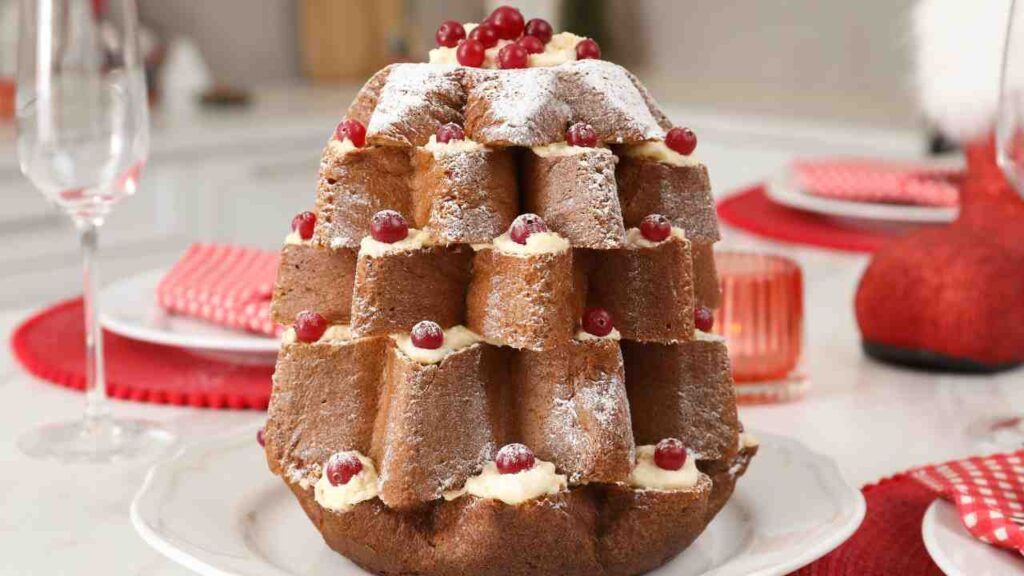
(748, 440)
(559, 50)
(342, 147)
(536, 243)
(455, 338)
(564, 149)
(452, 146)
(706, 336)
(294, 239)
(584, 336)
(657, 150)
(647, 474)
(517, 488)
(415, 240)
(361, 487)
(335, 334)
(635, 239)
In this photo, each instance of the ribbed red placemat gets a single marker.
(889, 540)
(51, 345)
(751, 210)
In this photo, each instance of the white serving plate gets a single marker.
(783, 190)
(958, 553)
(216, 509)
(129, 308)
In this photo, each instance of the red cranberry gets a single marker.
(597, 321)
(449, 34)
(539, 29)
(581, 134)
(353, 130)
(588, 49)
(655, 227)
(703, 318)
(485, 34)
(309, 326)
(681, 140)
(342, 467)
(513, 56)
(470, 53)
(531, 44)
(524, 225)
(508, 21)
(427, 335)
(303, 223)
(448, 132)
(670, 454)
(389, 227)
(261, 437)
(513, 458)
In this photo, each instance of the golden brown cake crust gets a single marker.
(680, 193)
(313, 278)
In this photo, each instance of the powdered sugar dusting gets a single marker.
(415, 100)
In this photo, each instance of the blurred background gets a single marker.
(246, 92)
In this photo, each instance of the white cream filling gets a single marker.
(361, 487)
(561, 49)
(659, 151)
(706, 336)
(415, 240)
(536, 243)
(515, 488)
(335, 334)
(342, 147)
(648, 475)
(443, 56)
(452, 147)
(635, 239)
(748, 440)
(295, 239)
(556, 149)
(584, 336)
(455, 338)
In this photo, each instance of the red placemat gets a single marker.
(889, 540)
(751, 210)
(51, 345)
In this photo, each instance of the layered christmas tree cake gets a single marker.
(498, 358)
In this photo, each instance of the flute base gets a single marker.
(96, 442)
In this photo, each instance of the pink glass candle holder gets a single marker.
(761, 318)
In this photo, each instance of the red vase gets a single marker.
(952, 298)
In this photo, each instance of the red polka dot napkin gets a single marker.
(878, 181)
(988, 492)
(223, 284)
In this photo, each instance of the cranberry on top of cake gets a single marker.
(529, 235)
(654, 229)
(597, 324)
(580, 138)
(348, 478)
(676, 149)
(515, 476)
(311, 327)
(504, 41)
(450, 138)
(703, 318)
(428, 343)
(349, 135)
(665, 466)
(390, 233)
(303, 225)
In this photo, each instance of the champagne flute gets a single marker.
(83, 136)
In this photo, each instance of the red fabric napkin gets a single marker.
(223, 284)
(988, 492)
(878, 181)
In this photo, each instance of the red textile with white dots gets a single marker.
(988, 492)
(878, 181)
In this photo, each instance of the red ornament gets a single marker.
(389, 227)
(513, 56)
(485, 34)
(353, 130)
(681, 140)
(587, 49)
(655, 227)
(703, 318)
(540, 29)
(513, 458)
(470, 53)
(342, 467)
(303, 223)
(531, 44)
(524, 225)
(449, 34)
(448, 132)
(427, 335)
(508, 22)
(581, 134)
(597, 321)
(949, 297)
(309, 326)
(670, 454)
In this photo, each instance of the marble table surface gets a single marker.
(875, 420)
